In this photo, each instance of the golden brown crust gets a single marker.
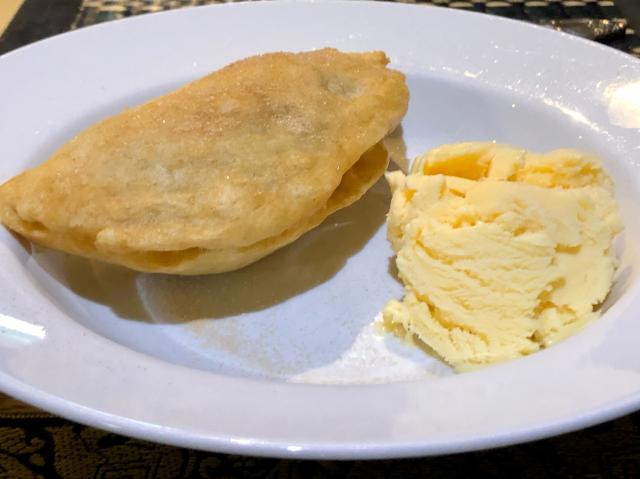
(233, 160)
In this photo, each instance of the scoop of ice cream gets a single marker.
(501, 251)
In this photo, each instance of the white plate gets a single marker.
(241, 362)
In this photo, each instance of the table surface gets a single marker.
(37, 444)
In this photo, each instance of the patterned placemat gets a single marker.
(34, 444)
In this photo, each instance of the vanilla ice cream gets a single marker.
(501, 251)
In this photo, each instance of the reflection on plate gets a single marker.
(272, 359)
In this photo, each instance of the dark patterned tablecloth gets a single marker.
(34, 444)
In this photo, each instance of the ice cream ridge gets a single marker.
(502, 251)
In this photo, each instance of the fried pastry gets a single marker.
(220, 172)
